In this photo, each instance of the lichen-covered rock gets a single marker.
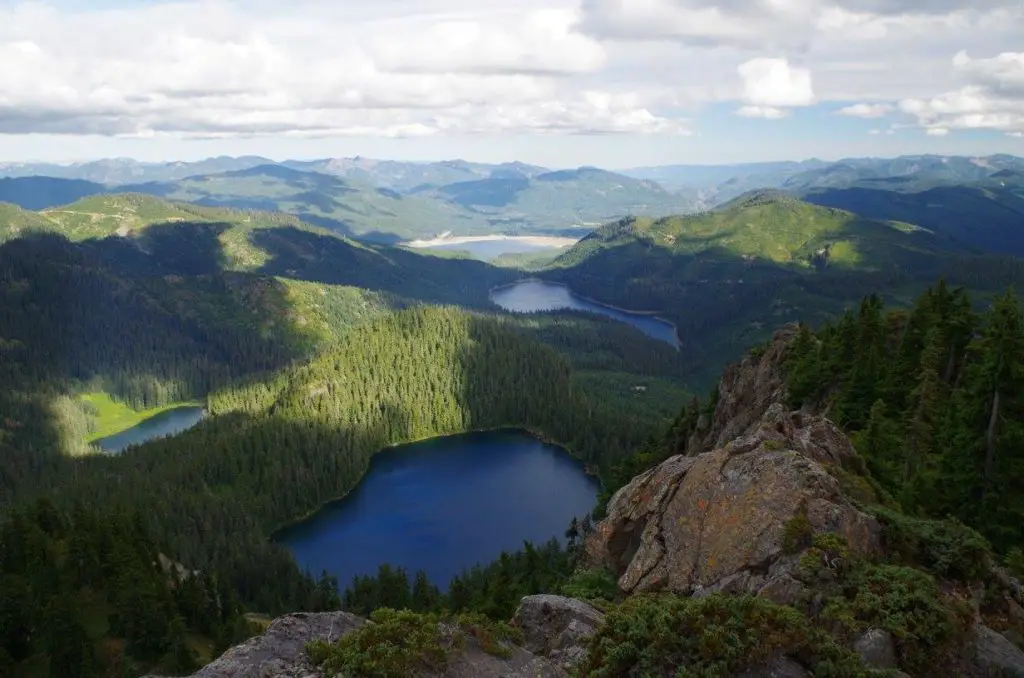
(719, 520)
(746, 390)
(557, 627)
(877, 649)
(716, 521)
(996, 656)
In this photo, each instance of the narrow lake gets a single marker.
(444, 505)
(532, 296)
(164, 424)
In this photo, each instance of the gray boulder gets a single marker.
(280, 651)
(780, 667)
(877, 649)
(997, 656)
(557, 627)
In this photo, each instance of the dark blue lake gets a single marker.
(444, 505)
(532, 296)
(166, 423)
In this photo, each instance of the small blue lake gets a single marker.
(533, 296)
(444, 505)
(166, 423)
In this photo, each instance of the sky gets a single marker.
(612, 83)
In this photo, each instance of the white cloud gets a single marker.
(991, 99)
(866, 110)
(766, 112)
(220, 68)
(771, 85)
(420, 68)
(936, 131)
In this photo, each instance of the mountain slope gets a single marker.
(36, 193)
(987, 217)
(725, 276)
(560, 199)
(405, 177)
(348, 207)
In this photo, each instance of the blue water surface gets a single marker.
(444, 505)
(166, 423)
(531, 296)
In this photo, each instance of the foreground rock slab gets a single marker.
(557, 627)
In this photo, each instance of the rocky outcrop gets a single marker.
(280, 651)
(557, 627)
(720, 520)
(556, 630)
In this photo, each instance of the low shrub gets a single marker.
(593, 585)
(401, 643)
(666, 635)
(928, 626)
(395, 644)
(947, 548)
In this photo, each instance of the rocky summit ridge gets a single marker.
(735, 513)
(714, 519)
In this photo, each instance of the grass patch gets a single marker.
(109, 417)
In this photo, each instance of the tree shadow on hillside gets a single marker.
(300, 254)
(151, 318)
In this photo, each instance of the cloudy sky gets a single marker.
(614, 83)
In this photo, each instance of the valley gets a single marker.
(315, 410)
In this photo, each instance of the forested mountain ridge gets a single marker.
(727, 276)
(988, 216)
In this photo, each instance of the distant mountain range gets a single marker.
(391, 201)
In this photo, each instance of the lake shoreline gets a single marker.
(650, 314)
(591, 471)
(94, 437)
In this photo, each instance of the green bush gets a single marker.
(665, 635)
(797, 530)
(928, 626)
(947, 548)
(1015, 563)
(401, 643)
(828, 551)
(493, 636)
(395, 644)
(597, 584)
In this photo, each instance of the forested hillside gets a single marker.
(90, 593)
(729, 276)
(986, 219)
(934, 398)
(275, 450)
